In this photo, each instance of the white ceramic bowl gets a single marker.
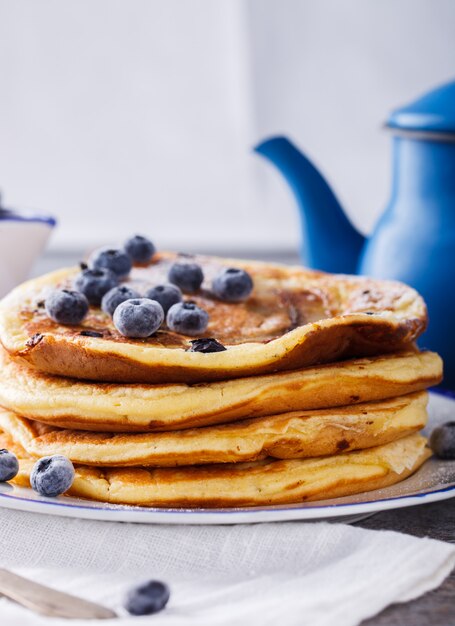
(22, 239)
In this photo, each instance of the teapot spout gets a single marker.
(329, 240)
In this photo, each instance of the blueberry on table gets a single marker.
(187, 276)
(9, 465)
(442, 441)
(65, 306)
(187, 318)
(138, 318)
(166, 295)
(232, 285)
(116, 296)
(95, 283)
(148, 598)
(139, 249)
(52, 475)
(114, 259)
(206, 345)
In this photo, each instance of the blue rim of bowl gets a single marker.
(12, 216)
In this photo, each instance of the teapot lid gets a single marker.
(432, 113)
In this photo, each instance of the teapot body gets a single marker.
(414, 241)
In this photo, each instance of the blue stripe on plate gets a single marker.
(233, 511)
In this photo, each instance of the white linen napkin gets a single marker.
(293, 573)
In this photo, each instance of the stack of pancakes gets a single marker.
(319, 393)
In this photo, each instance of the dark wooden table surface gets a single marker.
(436, 608)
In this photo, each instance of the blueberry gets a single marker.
(206, 344)
(116, 296)
(112, 259)
(95, 283)
(9, 465)
(139, 249)
(187, 318)
(148, 598)
(52, 475)
(166, 295)
(140, 317)
(232, 285)
(442, 441)
(66, 307)
(187, 276)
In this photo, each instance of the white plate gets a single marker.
(434, 481)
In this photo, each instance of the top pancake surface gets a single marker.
(294, 318)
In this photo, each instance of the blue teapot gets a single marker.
(414, 240)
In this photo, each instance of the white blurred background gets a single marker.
(123, 116)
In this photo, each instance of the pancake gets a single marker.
(70, 403)
(244, 484)
(287, 436)
(294, 318)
